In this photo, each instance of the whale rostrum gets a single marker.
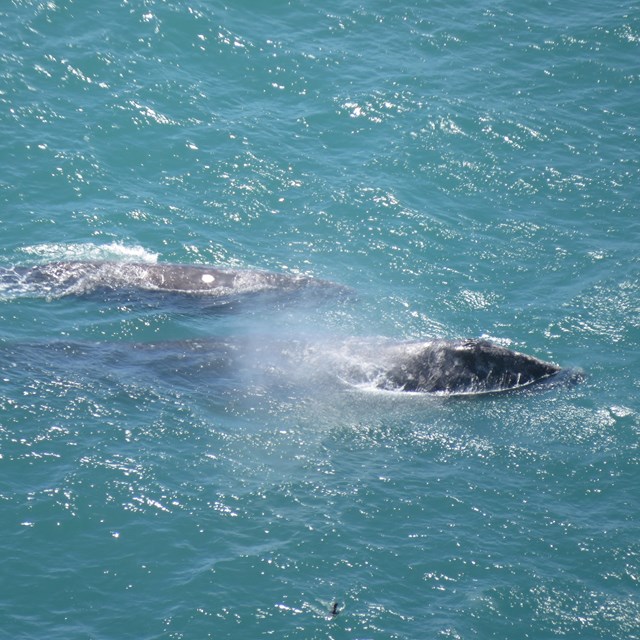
(461, 366)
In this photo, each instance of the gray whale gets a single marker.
(435, 367)
(81, 278)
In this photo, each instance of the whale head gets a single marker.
(464, 367)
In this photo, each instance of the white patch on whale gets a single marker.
(207, 278)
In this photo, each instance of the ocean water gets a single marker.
(467, 168)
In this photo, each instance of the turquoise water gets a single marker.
(470, 169)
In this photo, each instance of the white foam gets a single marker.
(89, 251)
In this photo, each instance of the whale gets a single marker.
(445, 368)
(57, 279)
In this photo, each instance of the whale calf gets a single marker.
(85, 277)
